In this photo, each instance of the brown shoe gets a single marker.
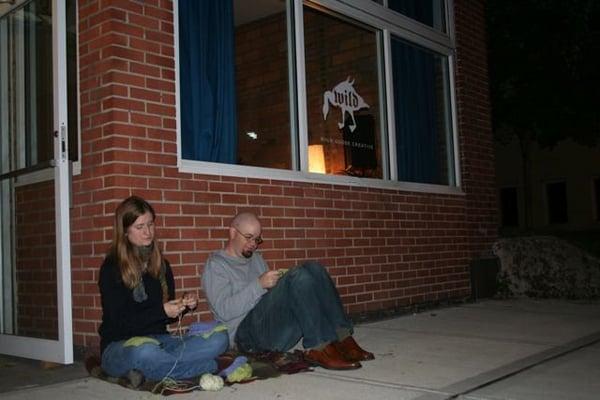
(352, 351)
(329, 358)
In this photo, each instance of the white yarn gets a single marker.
(210, 382)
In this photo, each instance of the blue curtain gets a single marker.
(207, 81)
(417, 146)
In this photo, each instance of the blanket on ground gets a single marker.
(264, 366)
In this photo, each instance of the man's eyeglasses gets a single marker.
(258, 240)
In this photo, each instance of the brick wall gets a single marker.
(474, 126)
(35, 261)
(384, 248)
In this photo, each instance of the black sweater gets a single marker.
(122, 316)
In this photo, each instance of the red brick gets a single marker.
(125, 28)
(144, 94)
(108, 14)
(145, 22)
(122, 52)
(126, 104)
(125, 5)
(159, 84)
(162, 14)
(147, 46)
(144, 69)
(221, 187)
(158, 109)
(145, 119)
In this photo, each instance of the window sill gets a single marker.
(239, 171)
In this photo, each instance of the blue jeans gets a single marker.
(180, 359)
(304, 304)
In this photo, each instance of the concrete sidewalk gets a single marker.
(516, 349)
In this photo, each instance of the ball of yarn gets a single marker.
(240, 374)
(211, 383)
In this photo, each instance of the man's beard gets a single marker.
(247, 253)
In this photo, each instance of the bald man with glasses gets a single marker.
(267, 310)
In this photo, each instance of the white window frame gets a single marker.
(390, 23)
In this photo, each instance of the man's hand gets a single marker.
(269, 279)
(173, 308)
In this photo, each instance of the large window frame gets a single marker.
(390, 23)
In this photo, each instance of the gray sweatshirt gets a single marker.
(232, 288)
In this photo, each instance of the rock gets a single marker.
(546, 267)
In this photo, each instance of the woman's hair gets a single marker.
(128, 258)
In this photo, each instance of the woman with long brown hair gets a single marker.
(138, 301)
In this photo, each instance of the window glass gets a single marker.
(556, 195)
(72, 80)
(234, 82)
(428, 12)
(597, 197)
(26, 85)
(342, 89)
(509, 206)
(424, 144)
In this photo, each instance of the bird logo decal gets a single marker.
(344, 96)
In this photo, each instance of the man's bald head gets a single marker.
(244, 219)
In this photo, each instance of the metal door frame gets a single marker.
(61, 350)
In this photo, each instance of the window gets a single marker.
(424, 148)
(26, 85)
(342, 93)
(234, 82)
(429, 12)
(263, 93)
(556, 196)
(597, 197)
(509, 207)
(306, 91)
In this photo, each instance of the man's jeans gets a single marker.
(179, 358)
(304, 303)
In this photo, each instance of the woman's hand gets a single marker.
(190, 300)
(173, 308)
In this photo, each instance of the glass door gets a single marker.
(35, 280)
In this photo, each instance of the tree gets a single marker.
(544, 70)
